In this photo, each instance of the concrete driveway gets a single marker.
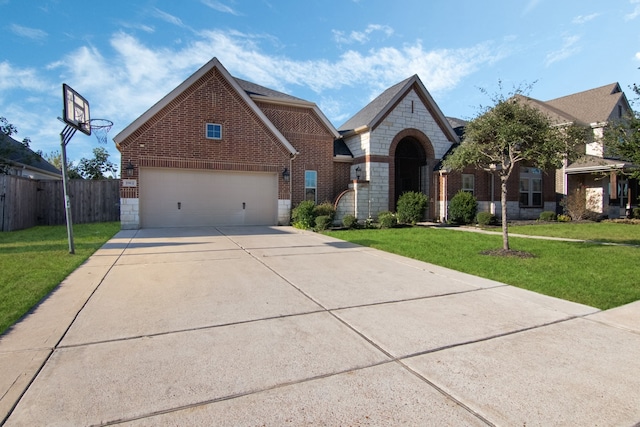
(275, 326)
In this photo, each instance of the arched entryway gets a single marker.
(411, 153)
(409, 159)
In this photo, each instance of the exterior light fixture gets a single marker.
(286, 175)
(129, 168)
(358, 173)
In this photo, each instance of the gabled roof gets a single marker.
(264, 94)
(254, 89)
(593, 105)
(366, 116)
(556, 115)
(374, 112)
(214, 63)
(17, 153)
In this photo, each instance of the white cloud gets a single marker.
(16, 78)
(216, 5)
(142, 27)
(638, 56)
(569, 47)
(636, 11)
(440, 70)
(582, 19)
(125, 82)
(30, 33)
(167, 17)
(360, 36)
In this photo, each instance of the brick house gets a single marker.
(609, 192)
(223, 151)
(219, 150)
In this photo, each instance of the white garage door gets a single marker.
(185, 197)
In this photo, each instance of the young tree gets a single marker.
(97, 167)
(55, 158)
(510, 132)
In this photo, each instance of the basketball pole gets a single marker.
(65, 136)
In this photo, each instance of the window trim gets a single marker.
(471, 190)
(308, 187)
(530, 174)
(206, 131)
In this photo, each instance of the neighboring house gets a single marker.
(609, 192)
(19, 160)
(219, 150)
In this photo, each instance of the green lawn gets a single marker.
(596, 231)
(601, 276)
(36, 260)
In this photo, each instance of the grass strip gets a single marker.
(596, 275)
(34, 261)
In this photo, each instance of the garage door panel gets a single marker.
(182, 197)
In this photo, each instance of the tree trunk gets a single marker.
(503, 203)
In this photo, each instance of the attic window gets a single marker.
(213, 131)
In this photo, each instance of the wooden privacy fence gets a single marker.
(26, 202)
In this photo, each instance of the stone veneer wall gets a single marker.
(371, 150)
(402, 118)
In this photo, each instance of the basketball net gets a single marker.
(100, 128)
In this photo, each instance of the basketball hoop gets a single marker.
(100, 128)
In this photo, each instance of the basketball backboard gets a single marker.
(76, 110)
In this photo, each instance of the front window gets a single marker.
(468, 182)
(213, 131)
(530, 187)
(311, 185)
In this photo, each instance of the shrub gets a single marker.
(577, 204)
(349, 221)
(486, 218)
(411, 207)
(323, 222)
(547, 216)
(387, 219)
(635, 213)
(462, 208)
(563, 218)
(302, 215)
(325, 209)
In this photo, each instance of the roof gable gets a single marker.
(374, 112)
(263, 94)
(366, 116)
(175, 93)
(554, 114)
(593, 105)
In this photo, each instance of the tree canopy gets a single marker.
(98, 167)
(510, 132)
(622, 137)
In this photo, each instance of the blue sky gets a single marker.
(125, 56)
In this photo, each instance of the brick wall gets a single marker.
(306, 132)
(483, 192)
(175, 136)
